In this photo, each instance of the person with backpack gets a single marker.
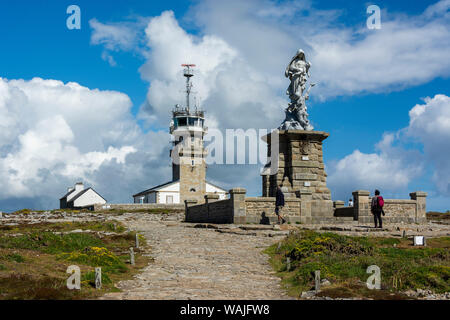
(279, 203)
(377, 209)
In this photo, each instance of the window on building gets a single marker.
(182, 121)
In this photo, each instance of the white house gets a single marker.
(79, 197)
(169, 193)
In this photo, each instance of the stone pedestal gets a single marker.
(421, 209)
(362, 206)
(300, 170)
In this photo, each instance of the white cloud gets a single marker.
(241, 51)
(390, 169)
(346, 60)
(118, 36)
(53, 134)
(114, 36)
(430, 124)
(393, 168)
(225, 83)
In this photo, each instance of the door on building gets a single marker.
(169, 199)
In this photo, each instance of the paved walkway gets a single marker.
(201, 263)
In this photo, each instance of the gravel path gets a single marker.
(201, 263)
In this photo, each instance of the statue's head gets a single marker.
(300, 54)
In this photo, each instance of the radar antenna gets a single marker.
(188, 73)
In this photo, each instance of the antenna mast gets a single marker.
(188, 73)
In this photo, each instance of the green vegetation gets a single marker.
(343, 260)
(33, 262)
(439, 216)
(63, 227)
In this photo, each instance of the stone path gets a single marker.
(201, 263)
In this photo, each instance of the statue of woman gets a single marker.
(298, 72)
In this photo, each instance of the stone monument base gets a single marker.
(301, 172)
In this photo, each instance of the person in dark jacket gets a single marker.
(279, 203)
(376, 209)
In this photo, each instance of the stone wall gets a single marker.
(211, 211)
(262, 209)
(396, 210)
(240, 209)
(138, 206)
(299, 162)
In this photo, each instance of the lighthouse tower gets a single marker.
(188, 153)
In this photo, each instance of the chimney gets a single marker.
(69, 189)
(79, 187)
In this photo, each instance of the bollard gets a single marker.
(98, 278)
(404, 234)
(131, 256)
(137, 241)
(288, 264)
(317, 280)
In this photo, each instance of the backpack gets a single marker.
(380, 202)
(378, 205)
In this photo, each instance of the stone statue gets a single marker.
(296, 113)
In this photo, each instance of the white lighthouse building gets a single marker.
(188, 157)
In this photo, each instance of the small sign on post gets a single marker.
(317, 280)
(98, 278)
(419, 241)
(131, 256)
(137, 241)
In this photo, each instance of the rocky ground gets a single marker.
(203, 261)
(197, 261)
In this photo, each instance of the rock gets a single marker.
(325, 282)
(308, 294)
(410, 293)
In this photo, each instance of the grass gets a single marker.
(343, 260)
(439, 216)
(63, 227)
(33, 265)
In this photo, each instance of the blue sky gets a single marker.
(359, 100)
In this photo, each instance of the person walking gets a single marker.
(377, 209)
(279, 204)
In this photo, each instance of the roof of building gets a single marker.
(67, 194)
(155, 188)
(214, 185)
(158, 187)
(79, 194)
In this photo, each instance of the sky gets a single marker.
(93, 104)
